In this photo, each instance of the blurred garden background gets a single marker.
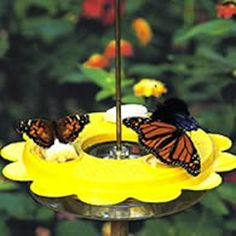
(57, 58)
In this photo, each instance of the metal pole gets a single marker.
(119, 228)
(118, 75)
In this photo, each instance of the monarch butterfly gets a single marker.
(164, 135)
(44, 132)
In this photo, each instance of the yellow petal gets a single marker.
(221, 142)
(225, 162)
(13, 151)
(16, 171)
(212, 181)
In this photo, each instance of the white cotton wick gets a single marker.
(129, 110)
(60, 152)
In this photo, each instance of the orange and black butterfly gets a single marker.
(164, 135)
(44, 132)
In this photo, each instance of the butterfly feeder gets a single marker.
(107, 174)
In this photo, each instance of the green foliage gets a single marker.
(7, 186)
(4, 45)
(214, 202)
(4, 228)
(46, 28)
(23, 207)
(212, 28)
(74, 228)
(190, 222)
(103, 79)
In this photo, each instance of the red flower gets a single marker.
(226, 9)
(126, 49)
(92, 8)
(101, 9)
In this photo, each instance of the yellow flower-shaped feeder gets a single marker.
(97, 181)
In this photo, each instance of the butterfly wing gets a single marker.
(185, 154)
(155, 136)
(68, 128)
(41, 131)
(135, 123)
(159, 138)
(167, 143)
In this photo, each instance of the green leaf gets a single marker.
(230, 224)
(132, 99)
(4, 45)
(4, 229)
(147, 70)
(44, 214)
(211, 55)
(213, 202)
(99, 76)
(17, 205)
(132, 6)
(194, 223)
(21, 6)
(231, 55)
(210, 118)
(104, 93)
(212, 28)
(189, 222)
(163, 227)
(6, 186)
(228, 192)
(46, 28)
(75, 228)
(126, 83)
(74, 77)
(21, 206)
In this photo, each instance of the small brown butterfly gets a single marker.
(44, 132)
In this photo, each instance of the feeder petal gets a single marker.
(13, 151)
(221, 142)
(16, 171)
(211, 182)
(225, 162)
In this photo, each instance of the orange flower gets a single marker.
(126, 49)
(226, 9)
(142, 30)
(97, 60)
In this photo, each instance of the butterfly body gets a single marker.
(44, 132)
(162, 136)
(175, 111)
